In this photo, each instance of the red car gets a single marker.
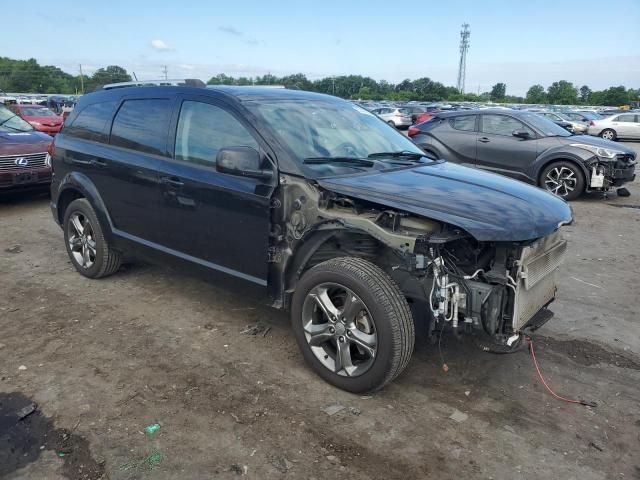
(39, 117)
(24, 158)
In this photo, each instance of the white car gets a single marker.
(621, 125)
(396, 117)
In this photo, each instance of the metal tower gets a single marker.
(465, 34)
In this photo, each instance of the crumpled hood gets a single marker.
(490, 207)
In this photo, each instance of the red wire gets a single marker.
(535, 363)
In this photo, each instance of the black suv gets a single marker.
(528, 147)
(317, 206)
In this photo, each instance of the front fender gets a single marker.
(79, 182)
(576, 155)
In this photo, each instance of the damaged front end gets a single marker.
(450, 278)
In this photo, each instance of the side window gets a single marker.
(502, 125)
(466, 123)
(625, 118)
(90, 123)
(142, 125)
(203, 129)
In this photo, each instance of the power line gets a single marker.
(465, 34)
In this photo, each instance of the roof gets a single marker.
(257, 93)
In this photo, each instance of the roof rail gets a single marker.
(187, 82)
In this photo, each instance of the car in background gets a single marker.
(623, 125)
(564, 122)
(39, 117)
(415, 111)
(24, 158)
(528, 147)
(581, 116)
(395, 116)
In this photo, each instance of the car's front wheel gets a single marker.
(352, 324)
(391, 124)
(88, 250)
(608, 134)
(564, 179)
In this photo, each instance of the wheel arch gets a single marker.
(323, 245)
(77, 185)
(560, 158)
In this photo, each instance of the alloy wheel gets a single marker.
(82, 243)
(339, 329)
(561, 181)
(608, 135)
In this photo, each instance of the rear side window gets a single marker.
(142, 125)
(203, 129)
(502, 125)
(91, 122)
(466, 123)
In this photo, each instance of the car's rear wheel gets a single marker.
(88, 250)
(608, 134)
(352, 324)
(564, 179)
(390, 123)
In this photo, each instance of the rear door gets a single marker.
(458, 136)
(218, 220)
(500, 152)
(126, 171)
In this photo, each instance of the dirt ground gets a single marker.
(102, 360)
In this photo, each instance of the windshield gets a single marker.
(591, 115)
(544, 125)
(10, 122)
(37, 112)
(330, 129)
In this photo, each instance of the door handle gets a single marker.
(484, 140)
(97, 162)
(172, 181)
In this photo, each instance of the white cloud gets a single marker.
(160, 46)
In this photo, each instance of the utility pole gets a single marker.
(81, 80)
(465, 34)
(164, 71)
(333, 85)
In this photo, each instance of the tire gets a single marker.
(608, 134)
(564, 179)
(88, 250)
(430, 154)
(383, 323)
(391, 124)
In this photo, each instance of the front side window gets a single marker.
(466, 123)
(502, 125)
(142, 125)
(625, 118)
(90, 122)
(204, 129)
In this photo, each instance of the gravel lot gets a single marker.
(104, 359)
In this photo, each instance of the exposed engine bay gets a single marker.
(496, 288)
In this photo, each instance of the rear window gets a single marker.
(91, 122)
(466, 123)
(142, 125)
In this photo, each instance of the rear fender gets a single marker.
(80, 183)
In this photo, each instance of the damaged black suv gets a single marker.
(316, 205)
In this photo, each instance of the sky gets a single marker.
(519, 43)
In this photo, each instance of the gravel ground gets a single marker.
(104, 359)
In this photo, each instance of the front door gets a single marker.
(218, 220)
(627, 126)
(499, 151)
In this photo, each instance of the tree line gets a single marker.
(27, 76)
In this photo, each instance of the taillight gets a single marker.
(413, 131)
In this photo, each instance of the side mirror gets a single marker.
(521, 134)
(242, 162)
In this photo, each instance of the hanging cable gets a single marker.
(568, 400)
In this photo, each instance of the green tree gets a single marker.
(536, 94)
(562, 93)
(103, 76)
(585, 92)
(498, 92)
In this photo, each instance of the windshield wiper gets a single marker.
(360, 162)
(7, 119)
(402, 153)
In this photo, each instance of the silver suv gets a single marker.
(396, 117)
